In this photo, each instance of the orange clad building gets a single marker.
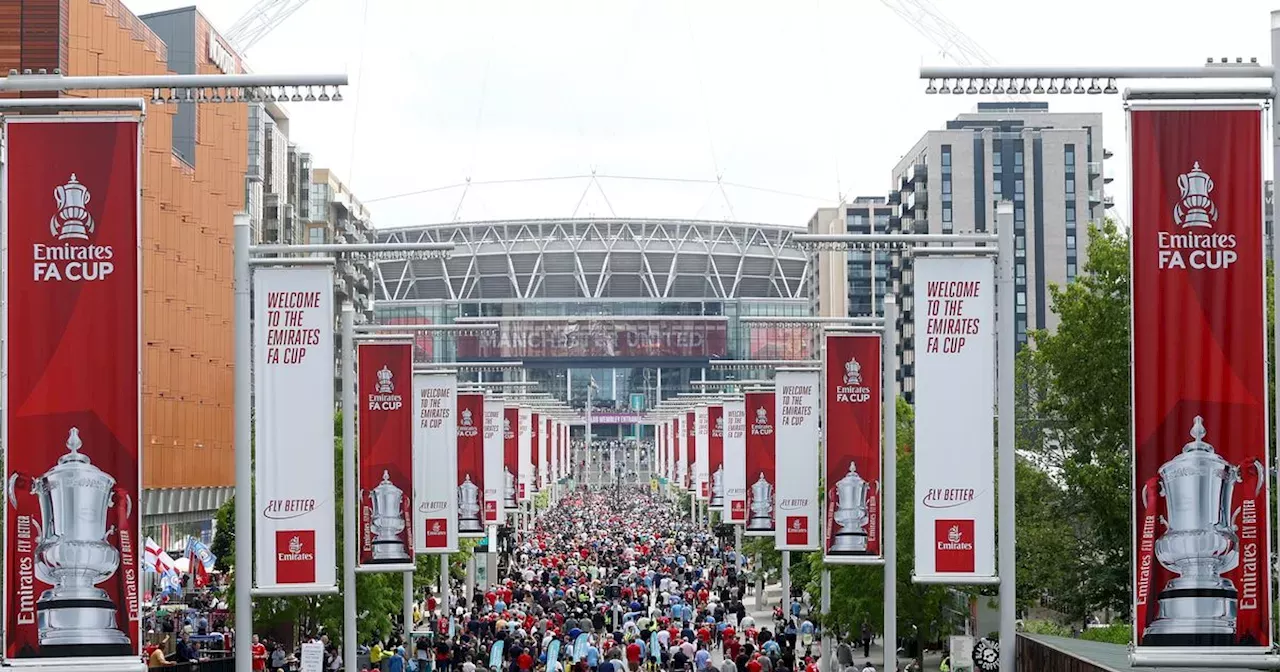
(193, 176)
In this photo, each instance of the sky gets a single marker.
(747, 110)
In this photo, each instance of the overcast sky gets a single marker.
(800, 100)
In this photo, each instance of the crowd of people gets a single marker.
(610, 584)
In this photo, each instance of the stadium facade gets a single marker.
(640, 306)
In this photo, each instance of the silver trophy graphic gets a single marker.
(387, 503)
(508, 489)
(1200, 544)
(717, 487)
(469, 507)
(852, 513)
(761, 505)
(73, 554)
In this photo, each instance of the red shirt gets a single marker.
(525, 661)
(753, 666)
(633, 652)
(259, 656)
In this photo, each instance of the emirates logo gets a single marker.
(71, 225)
(466, 424)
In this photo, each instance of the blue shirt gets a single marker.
(593, 656)
(395, 664)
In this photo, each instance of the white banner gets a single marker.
(681, 430)
(660, 448)
(435, 463)
(796, 466)
(735, 461)
(701, 454)
(955, 535)
(493, 511)
(293, 431)
(524, 454)
(544, 465)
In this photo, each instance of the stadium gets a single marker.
(640, 306)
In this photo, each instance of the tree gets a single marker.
(1074, 415)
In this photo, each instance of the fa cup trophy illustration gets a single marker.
(852, 513)
(717, 487)
(1199, 544)
(469, 507)
(73, 554)
(761, 505)
(388, 504)
(508, 489)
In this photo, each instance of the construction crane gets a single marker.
(261, 19)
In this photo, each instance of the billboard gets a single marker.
(524, 438)
(761, 478)
(715, 458)
(565, 338)
(293, 407)
(494, 502)
(796, 436)
(423, 341)
(385, 441)
(1202, 523)
(71, 388)
(471, 484)
(853, 459)
(735, 461)
(955, 527)
(535, 448)
(435, 463)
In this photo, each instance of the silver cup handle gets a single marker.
(11, 491)
(128, 501)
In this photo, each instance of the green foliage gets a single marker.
(1073, 413)
(1115, 633)
(224, 542)
(1039, 627)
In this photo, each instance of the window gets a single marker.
(946, 156)
(946, 186)
(946, 213)
(1071, 185)
(1017, 159)
(1022, 298)
(996, 159)
(1020, 242)
(1021, 272)
(1071, 271)
(1071, 241)
(315, 235)
(1019, 186)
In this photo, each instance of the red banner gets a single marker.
(546, 451)
(761, 478)
(72, 392)
(386, 452)
(470, 465)
(715, 456)
(1202, 525)
(852, 445)
(510, 457)
(566, 338)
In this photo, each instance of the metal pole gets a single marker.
(759, 572)
(890, 391)
(737, 549)
(350, 499)
(1004, 378)
(825, 654)
(470, 591)
(408, 608)
(444, 587)
(243, 441)
(786, 583)
(587, 444)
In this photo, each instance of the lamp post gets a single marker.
(208, 89)
(1092, 80)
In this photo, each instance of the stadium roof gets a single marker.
(587, 259)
